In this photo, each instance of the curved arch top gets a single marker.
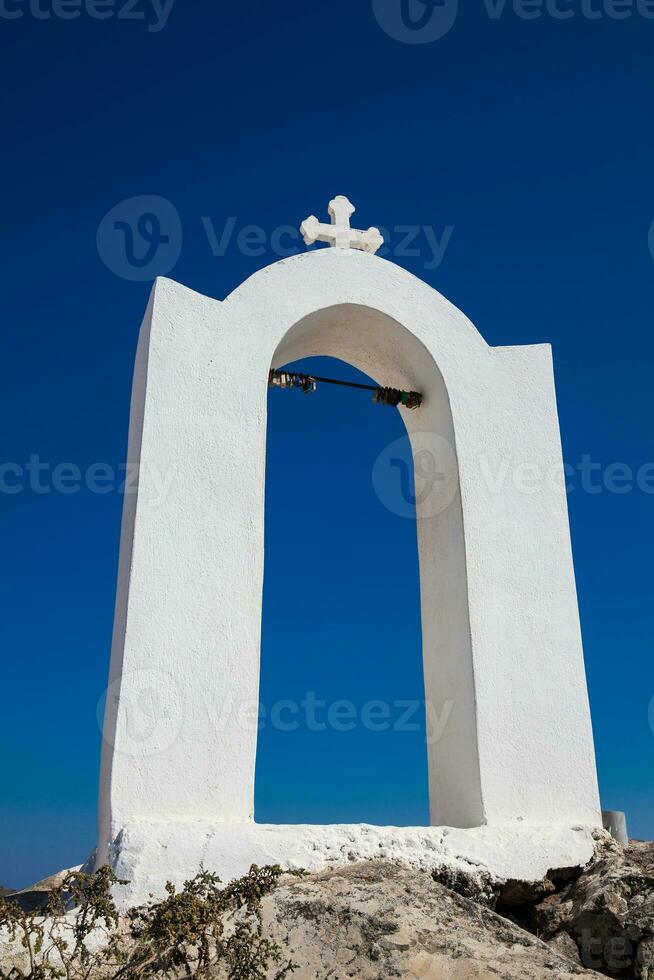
(307, 283)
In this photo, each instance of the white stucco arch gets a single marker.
(500, 630)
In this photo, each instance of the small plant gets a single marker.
(201, 931)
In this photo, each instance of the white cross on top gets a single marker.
(339, 234)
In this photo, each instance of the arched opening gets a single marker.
(388, 353)
(343, 727)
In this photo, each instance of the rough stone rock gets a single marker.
(480, 887)
(515, 894)
(36, 896)
(376, 920)
(608, 910)
(566, 946)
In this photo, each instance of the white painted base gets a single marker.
(149, 853)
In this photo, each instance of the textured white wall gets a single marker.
(500, 622)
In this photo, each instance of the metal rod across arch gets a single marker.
(308, 383)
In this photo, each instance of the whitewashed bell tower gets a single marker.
(500, 625)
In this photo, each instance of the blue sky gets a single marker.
(523, 145)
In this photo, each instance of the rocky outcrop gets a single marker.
(36, 896)
(376, 920)
(608, 911)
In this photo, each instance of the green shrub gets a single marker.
(201, 931)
